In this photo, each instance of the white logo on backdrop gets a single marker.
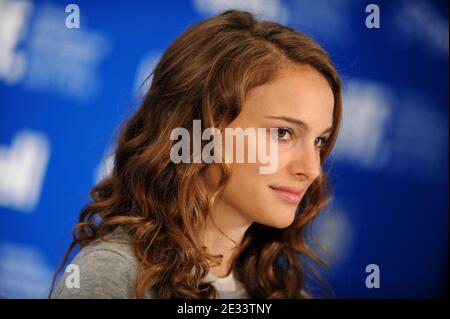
(24, 272)
(13, 18)
(142, 79)
(53, 58)
(397, 131)
(334, 231)
(268, 9)
(22, 170)
(105, 167)
(420, 23)
(365, 115)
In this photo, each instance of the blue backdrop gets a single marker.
(64, 92)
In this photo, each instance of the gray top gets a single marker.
(108, 270)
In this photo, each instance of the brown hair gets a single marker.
(205, 74)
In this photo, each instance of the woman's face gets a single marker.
(300, 95)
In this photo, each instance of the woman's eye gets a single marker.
(284, 134)
(323, 140)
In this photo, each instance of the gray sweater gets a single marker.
(108, 269)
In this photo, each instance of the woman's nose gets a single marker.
(306, 162)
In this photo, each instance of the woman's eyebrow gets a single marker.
(297, 122)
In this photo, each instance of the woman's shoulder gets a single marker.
(106, 268)
(116, 245)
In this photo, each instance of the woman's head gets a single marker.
(299, 103)
(227, 71)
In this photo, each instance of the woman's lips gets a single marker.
(290, 194)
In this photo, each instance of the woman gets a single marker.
(160, 229)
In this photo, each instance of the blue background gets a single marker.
(65, 92)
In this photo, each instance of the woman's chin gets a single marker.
(281, 221)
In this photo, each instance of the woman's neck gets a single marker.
(223, 232)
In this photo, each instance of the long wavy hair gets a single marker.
(205, 74)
